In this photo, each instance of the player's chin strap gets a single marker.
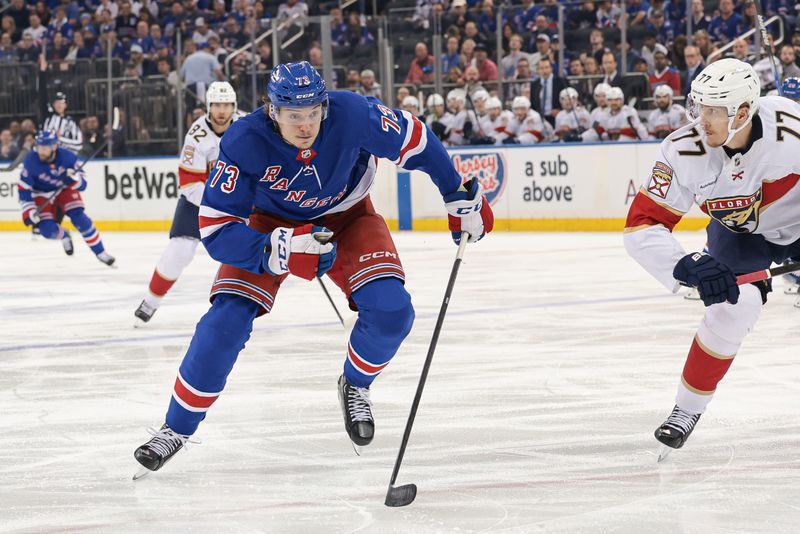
(731, 132)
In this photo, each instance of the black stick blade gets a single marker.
(401, 496)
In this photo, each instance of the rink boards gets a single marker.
(552, 187)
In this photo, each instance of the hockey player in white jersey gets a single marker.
(737, 160)
(438, 118)
(668, 116)
(621, 122)
(464, 120)
(601, 104)
(573, 121)
(199, 153)
(496, 120)
(525, 126)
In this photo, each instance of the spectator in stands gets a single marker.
(165, 69)
(136, 61)
(107, 23)
(511, 60)
(698, 20)
(677, 53)
(487, 19)
(749, 15)
(8, 149)
(649, 48)
(27, 50)
(367, 85)
(467, 52)
(202, 32)
(545, 91)
(293, 9)
(608, 15)
(338, 26)
(357, 30)
(35, 29)
(457, 16)
(471, 32)
(422, 13)
(8, 53)
(352, 80)
(20, 13)
(521, 16)
(583, 86)
(143, 39)
(43, 10)
(59, 23)
(727, 25)
(787, 57)
(636, 12)
(590, 66)
(402, 93)
(421, 68)
(487, 69)
(108, 40)
(451, 57)
(199, 68)
(664, 74)
(9, 26)
(58, 49)
(233, 37)
(523, 76)
(583, 17)
(598, 46)
(126, 21)
(86, 24)
(472, 79)
(541, 26)
(663, 28)
(543, 50)
(741, 50)
(110, 5)
(702, 40)
(455, 76)
(220, 53)
(612, 76)
(694, 65)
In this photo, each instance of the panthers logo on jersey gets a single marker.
(737, 214)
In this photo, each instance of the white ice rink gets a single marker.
(558, 359)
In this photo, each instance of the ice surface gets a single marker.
(558, 359)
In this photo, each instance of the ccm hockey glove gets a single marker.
(304, 251)
(714, 281)
(469, 212)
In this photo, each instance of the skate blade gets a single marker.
(141, 473)
(138, 323)
(356, 448)
(663, 452)
(793, 290)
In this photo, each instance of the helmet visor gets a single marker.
(710, 114)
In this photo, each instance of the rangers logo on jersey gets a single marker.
(487, 167)
(737, 214)
(660, 180)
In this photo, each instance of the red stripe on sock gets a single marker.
(702, 370)
(195, 401)
(160, 285)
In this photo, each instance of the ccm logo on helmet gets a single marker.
(304, 95)
(374, 255)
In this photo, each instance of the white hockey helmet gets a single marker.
(520, 102)
(727, 83)
(568, 93)
(435, 100)
(493, 103)
(480, 95)
(220, 93)
(457, 94)
(615, 93)
(601, 88)
(410, 101)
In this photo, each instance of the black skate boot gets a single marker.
(356, 409)
(144, 313)
(66, 242)
(676, 429)
(106, 258)
(159, 450)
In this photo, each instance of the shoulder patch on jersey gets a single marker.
(187, 157)
(660, 180)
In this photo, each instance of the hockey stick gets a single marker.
(335, 309)
(766, 43)
(635, 131)
(51, 198)
(766, 274)
(405, 495)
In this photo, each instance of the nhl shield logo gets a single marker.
(488, 167)
(737, 214)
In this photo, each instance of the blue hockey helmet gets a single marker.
(46, 138)
(791, 88)
(296, 85)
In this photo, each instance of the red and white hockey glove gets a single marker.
(469, 212)
(304, 251)
(30, 217)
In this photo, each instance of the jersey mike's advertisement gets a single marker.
(555, 187)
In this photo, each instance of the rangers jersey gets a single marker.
(660, 123)
(40, 178)
(624, 125)
(258, 169)
(753, 190)
(198, 155)
(528, 131)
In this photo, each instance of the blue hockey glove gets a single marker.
(304, 251)
(469, 212)
(714, 281)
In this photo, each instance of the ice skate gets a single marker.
(674, 432)
(159, 450)
(357, 413)
(106, 258)
(143, 314)
(66, 242)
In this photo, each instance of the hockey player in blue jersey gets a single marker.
(289, 194)
(46, 170)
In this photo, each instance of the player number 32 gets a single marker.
(231, 171)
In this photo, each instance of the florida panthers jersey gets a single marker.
(40, 178)
(257, 168)
(496, 129)
(574, 119)
(456, 126)
(529, 130)
(661, 123)
(750, 191)
(624, 125)
(198, 155)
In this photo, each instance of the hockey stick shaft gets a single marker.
(327, 294)
(426, 367)
(766, 43)
(51, 198)
(766, 274)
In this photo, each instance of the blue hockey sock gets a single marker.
(385, 316)
(86, 227)
(219, 337)
(50, 230)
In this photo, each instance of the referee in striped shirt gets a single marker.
(69, 134)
